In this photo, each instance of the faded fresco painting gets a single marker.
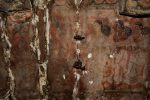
(74, 50)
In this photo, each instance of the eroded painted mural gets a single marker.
(74, 49)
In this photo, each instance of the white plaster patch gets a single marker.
(89, 55)
(117, 19)
(91, 82)
(78, 77)
(75, 89)
(41, 4)
(77, 25)
(76, 3)
(64, 76)
(78, 51)
(38, 53)
(111, 56)
(84, 72)
(35, 19)
(77, 12)
(47, 35)
(78, 42)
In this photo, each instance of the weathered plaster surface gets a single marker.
(38, 50)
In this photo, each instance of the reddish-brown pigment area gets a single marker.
(23, 61)
(115, 51)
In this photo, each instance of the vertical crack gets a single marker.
(76, 89)
(35, 46)
(43, 80)
(42, 65)
(47, 35)
(35, 43)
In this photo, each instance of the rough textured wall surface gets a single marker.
(74, 49)
(23, 62)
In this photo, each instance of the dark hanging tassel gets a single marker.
(78, 37)
(78, 65)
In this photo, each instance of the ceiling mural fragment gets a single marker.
(135, 7)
